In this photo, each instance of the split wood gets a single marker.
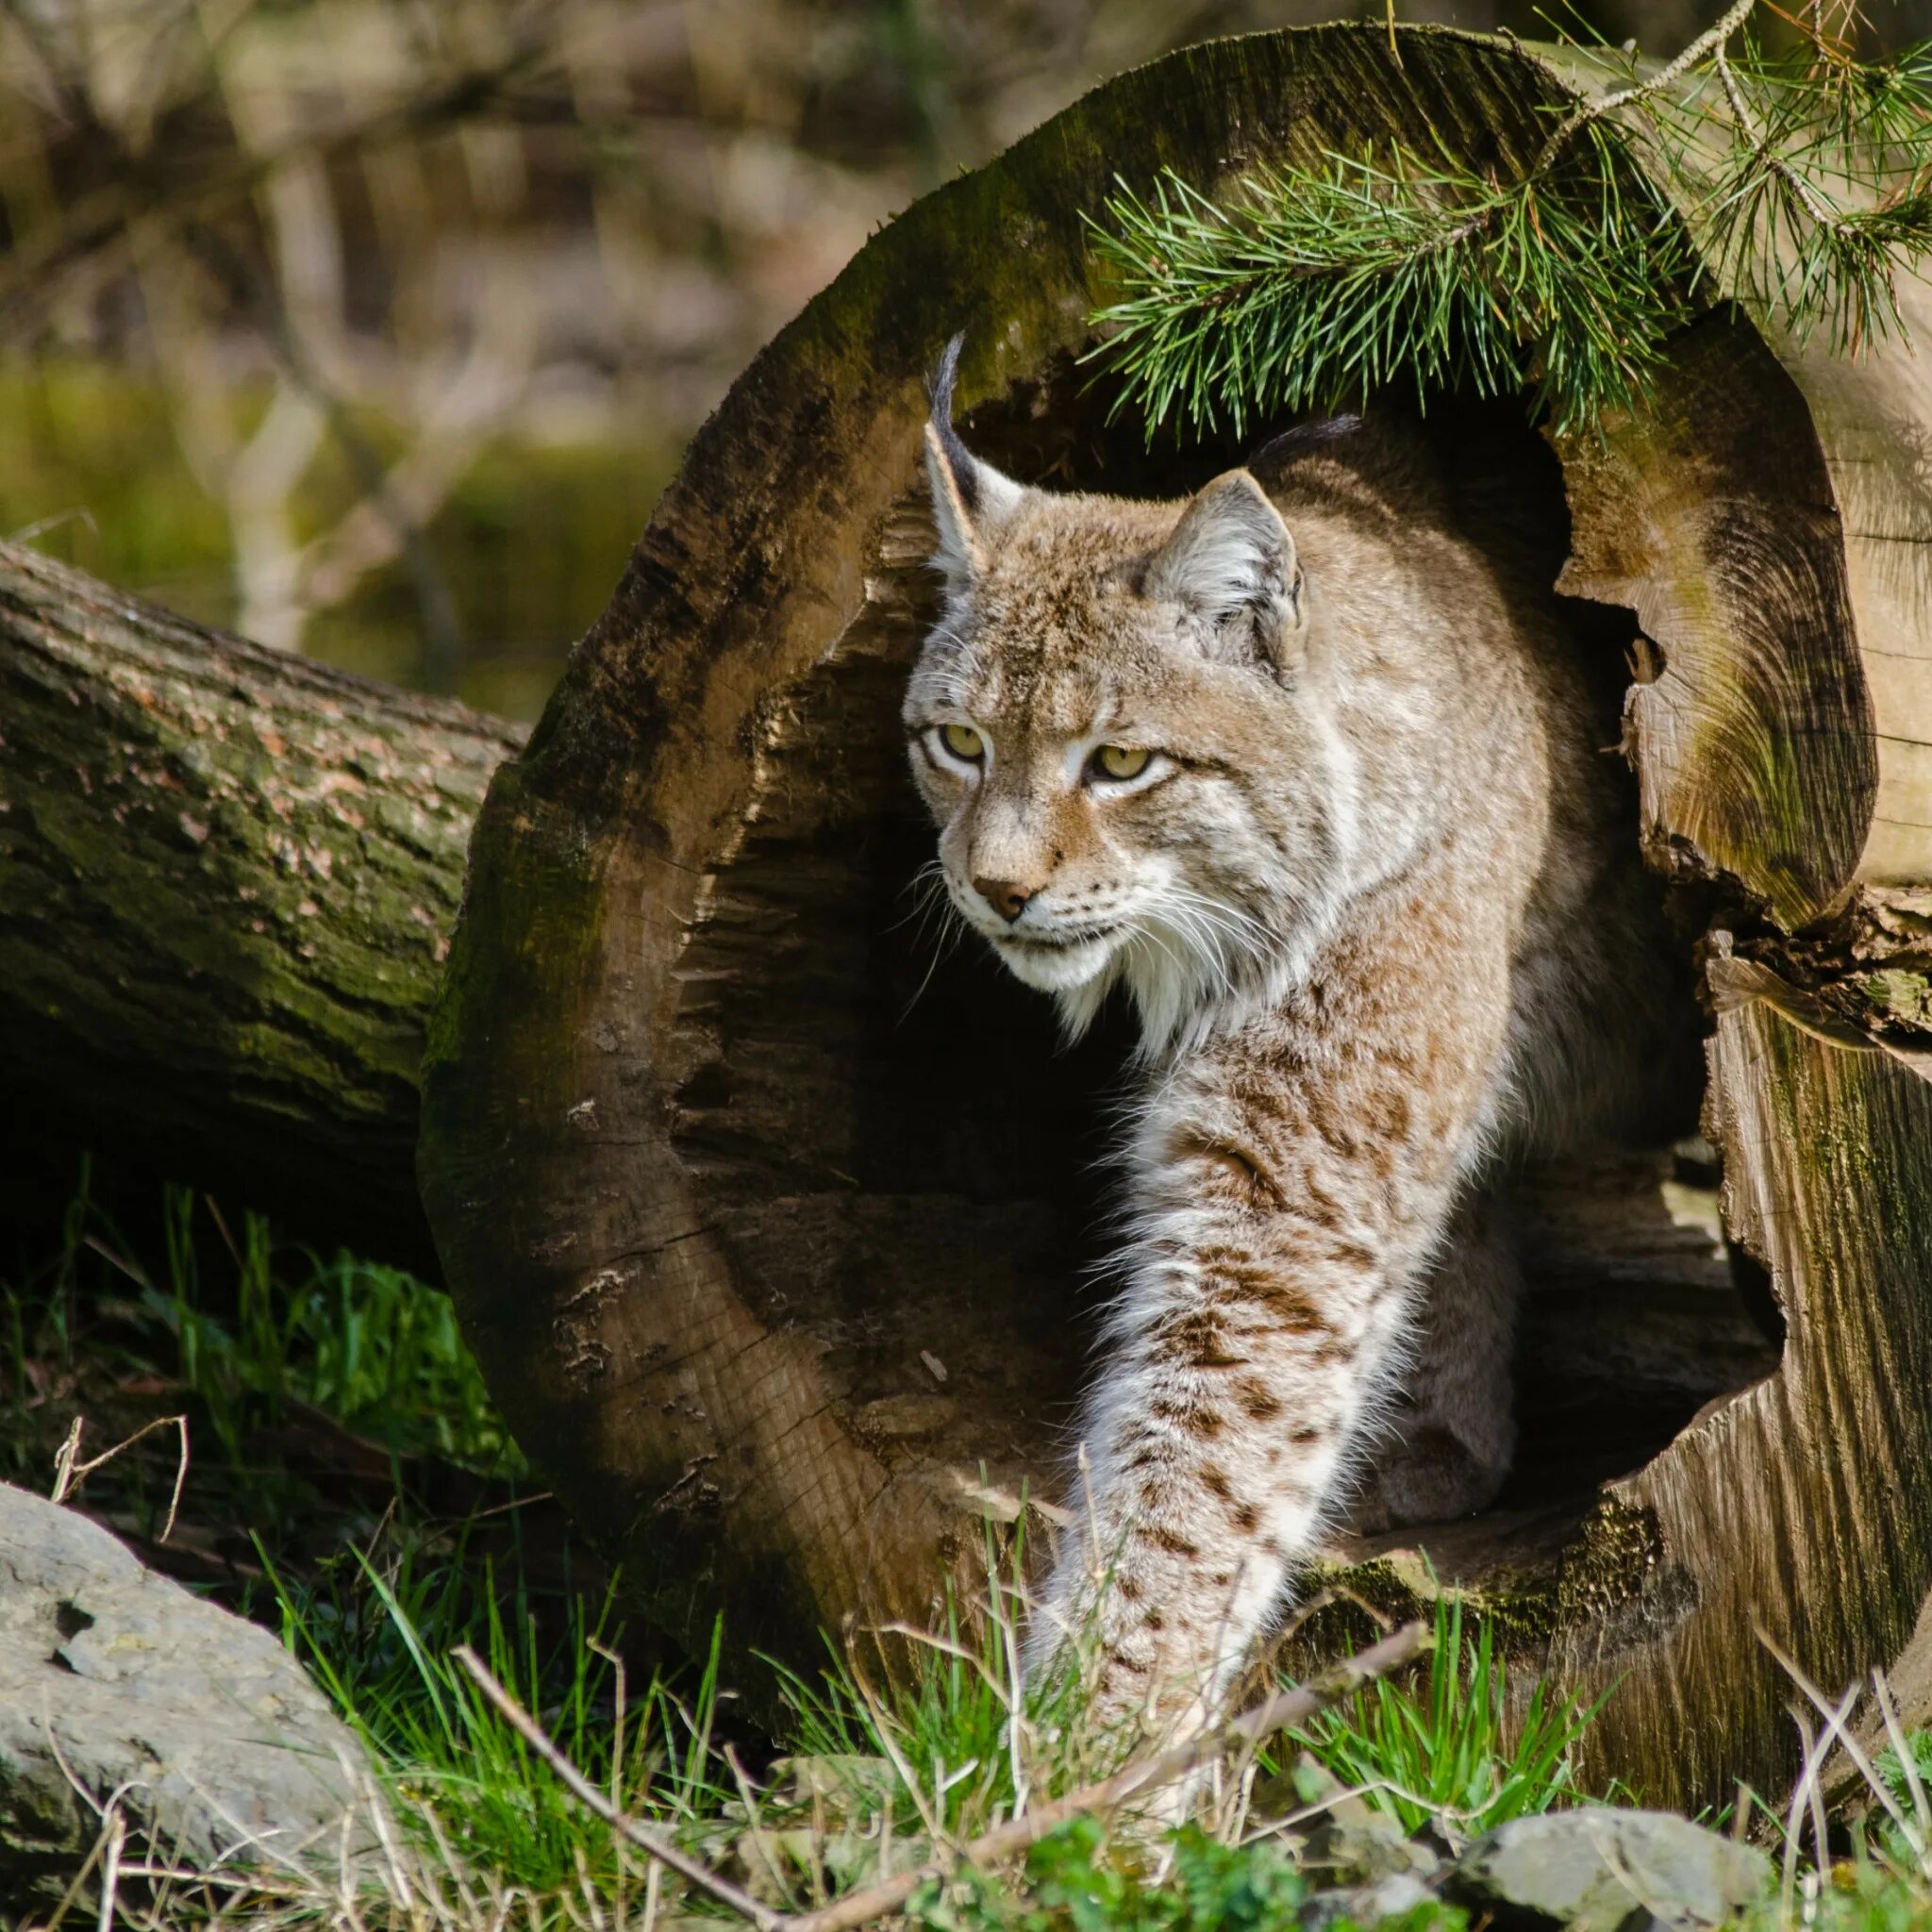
(1017, 1834)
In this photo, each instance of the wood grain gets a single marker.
(768, 1226)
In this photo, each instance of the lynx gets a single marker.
(1304, 773)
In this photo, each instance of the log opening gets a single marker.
(892, 1144)
(774, 1303)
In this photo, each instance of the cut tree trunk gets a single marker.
(792, 1311)
(228, 877)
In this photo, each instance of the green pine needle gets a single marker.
(1804, 182)
(1316, 290)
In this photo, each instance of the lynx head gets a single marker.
(1121, 725)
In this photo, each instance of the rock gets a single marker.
(1604, 1870)
(783, 1867)
(845, 1784)
(1393, 1897)
(117, 1681)
(1352, 1844)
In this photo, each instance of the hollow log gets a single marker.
(228, 877)
(792, 1313)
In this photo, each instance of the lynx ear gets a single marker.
(970, 499)
(1232, 561)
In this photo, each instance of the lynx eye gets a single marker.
(1117, 762)
(963, 743)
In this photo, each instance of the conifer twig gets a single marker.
(1711, 40)
(1318, 286)
(1761, 148)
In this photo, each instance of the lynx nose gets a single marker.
(1006, 896)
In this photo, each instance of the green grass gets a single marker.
(1077, 1880)
(215, 1315)
(369, 1345)
(1856, 1896)
(378, 1638)
(197, 1313)
(1443, 1751)
(961, 1738)
(937, 1759)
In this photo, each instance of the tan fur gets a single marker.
(1349, 911)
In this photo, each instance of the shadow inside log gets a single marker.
(904, 1160)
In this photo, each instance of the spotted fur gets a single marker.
(1347, 897)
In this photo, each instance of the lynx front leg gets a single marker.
(1256, 1329)
(1446, 1449)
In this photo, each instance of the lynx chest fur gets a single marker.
(1297, 769)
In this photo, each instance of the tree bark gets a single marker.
(782, 1302)
(768, 1226)
(226, 880)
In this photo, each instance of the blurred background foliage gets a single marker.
(374, 327)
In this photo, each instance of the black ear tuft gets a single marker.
(971, 501)
(958, 457)
(1302, 439)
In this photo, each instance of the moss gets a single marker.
(1619, 1549)
(533, 914)
(1519, 1602)
(1612, 1560)
(1896, 995)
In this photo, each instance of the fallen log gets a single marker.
(228, 877)
(791, 1316)
(784, 1326)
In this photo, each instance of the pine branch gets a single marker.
(1316, 287)
(1706, 44)
(1318, 290)
(1783, 238)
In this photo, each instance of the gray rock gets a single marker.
(1366, 1904)
(1607, 1870)
(113, 1679)
(1354, 1844)
(782, 1866)
(843, 1784)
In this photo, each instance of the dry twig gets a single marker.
(69, 1472)
(1003, 1841)
(1133, 1781)
(694, 1871)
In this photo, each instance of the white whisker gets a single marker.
(935, 902)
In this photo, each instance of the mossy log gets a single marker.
(228, 877)
(790, 1312)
